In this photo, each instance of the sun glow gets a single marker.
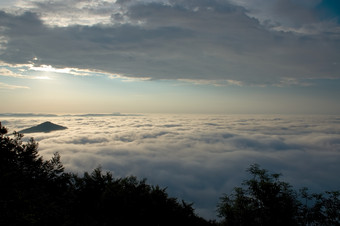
(42, 77)
(72, 71)
(49, 68)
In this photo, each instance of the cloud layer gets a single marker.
(249, 42)
(197, 157)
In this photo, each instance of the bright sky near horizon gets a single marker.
(170, 56)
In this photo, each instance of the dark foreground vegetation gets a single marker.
(265, 200)
(34, 191)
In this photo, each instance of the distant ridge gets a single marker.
(64, 115)
(26, 115)
(45, 127)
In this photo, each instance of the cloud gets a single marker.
(61, 13)
(200, 158)
(303, 17)
(191, 40)
(9, 86)
(9, 73)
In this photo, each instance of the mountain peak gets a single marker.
(44, 127)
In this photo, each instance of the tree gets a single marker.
(320, 208)
(32, 189)
(264, 200)
(102, 200)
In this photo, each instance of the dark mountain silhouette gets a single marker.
(45, 127)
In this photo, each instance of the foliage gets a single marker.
(320, 209)
(265, 200)
(38, 192)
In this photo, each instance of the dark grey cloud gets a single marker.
(201, 159)
(285, 13)
(197, 40)
(296, 13)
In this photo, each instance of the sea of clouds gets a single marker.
(197, 157)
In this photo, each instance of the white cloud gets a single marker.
(23, 71)
(9, 73)
(71, 71)
(197, 157)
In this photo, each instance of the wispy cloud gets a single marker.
(9, 73)
(11, 87)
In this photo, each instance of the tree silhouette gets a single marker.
(320, 208)
(265, 200)
(101, 199)
(32, 189)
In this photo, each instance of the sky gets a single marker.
(198, 158)
(170, 56)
